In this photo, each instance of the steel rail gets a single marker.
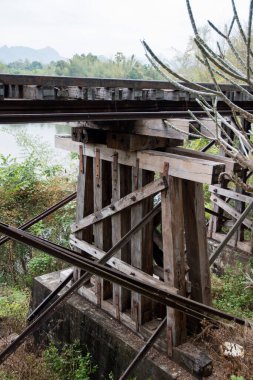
(112, 275)
(95, 116)
(43, 215)
(58, 252)
(144, 350)
(49, 298)
(167, 298)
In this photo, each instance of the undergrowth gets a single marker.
(230, 293)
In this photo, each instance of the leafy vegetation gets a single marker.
(231, 294)
(27, 188)
(88, 65)
(70, 363)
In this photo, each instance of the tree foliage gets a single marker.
(88, 65)
(27, 188)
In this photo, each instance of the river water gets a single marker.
(39, 132)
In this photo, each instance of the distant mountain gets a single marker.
(16, 53)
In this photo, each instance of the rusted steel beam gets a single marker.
(35, 106)
(49, 298)
(168, 298)
(43, 215)
(61, 252)
(186, 305)
(94, 116)
(144, 350)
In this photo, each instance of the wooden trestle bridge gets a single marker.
(140, 206)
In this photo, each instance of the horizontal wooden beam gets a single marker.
(156, 127)
(126, 201)
(230, 194)
(193, 169)
(120, 265)
(133, 143)
(230, 165)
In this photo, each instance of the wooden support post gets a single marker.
(141, 246)
(121, 181)
(173, 256)
(240, 207)
(196, 242)
(102, 230)
(84, 204)
(116, 228)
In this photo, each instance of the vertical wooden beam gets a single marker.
(240, 207)
(84, 204)
(141, 246)
(102, 230)
(173, 255)
(98, 227)
(196, 242)
(116, 227)
(121, 186)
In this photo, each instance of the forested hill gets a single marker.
(15, 53)
(85, 65)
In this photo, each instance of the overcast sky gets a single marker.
(107, 26)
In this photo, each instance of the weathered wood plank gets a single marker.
(141, 246)
(84, 203)
(230, 194)
(193, 169)
(230, 210)
(120, 265)
(196, 242)
(173, 256)
(203, 171)
(230, 165)
(133, 143)
(119, 205)
(116, 229)
(157, 128)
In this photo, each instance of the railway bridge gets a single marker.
(139, 242)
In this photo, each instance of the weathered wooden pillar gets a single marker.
(121, 186)
(141, 246)
(102, 230)
(84, 200)
(196, 242)
(173, 256)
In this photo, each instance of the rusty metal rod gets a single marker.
(95, 116)
(49, 298)
(165, 297)
(43, 215)
(216, 214)
(52, 249)
(144, 350)
(207, 146)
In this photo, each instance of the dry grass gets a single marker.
(212, 338)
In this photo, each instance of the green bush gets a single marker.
(69, 363)
(28, 188)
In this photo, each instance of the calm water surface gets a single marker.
(40, 132)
